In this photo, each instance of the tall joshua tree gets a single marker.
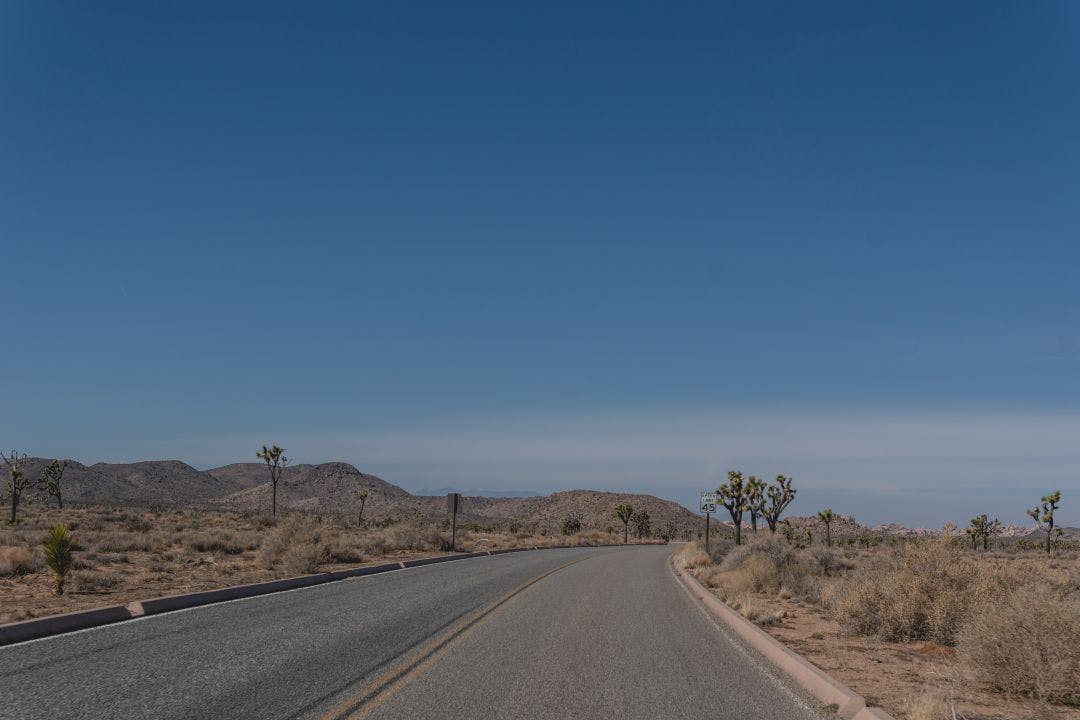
(827, 516)
(642, 524)
(51, 477)
(982, 528)
(1043, 514)
(779, 496)
(276, 462)
(732, 495)
(17, 481)
(361, 493)
(755, 500)
(624, 512)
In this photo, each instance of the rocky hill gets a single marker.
(330, 488)
(152, 482)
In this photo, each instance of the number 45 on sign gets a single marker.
(708, 502)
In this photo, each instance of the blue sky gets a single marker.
(553, 245)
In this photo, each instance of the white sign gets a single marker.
(708, 502)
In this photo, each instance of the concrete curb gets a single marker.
(170, 603)
(828, 690)
(58, 624)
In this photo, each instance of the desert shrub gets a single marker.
(770, 564)
(135, 523)
(1027, 643)
(927, 705)
(919, 591)
(18, 561)
(117, 541)
(93, 582)
(214, 543)
(341, 550)
(304, 557)
(296, 545)
(719, 548)
(756, 612)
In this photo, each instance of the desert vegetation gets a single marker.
(99, 556)
(950, 627)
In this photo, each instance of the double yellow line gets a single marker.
(399, 675)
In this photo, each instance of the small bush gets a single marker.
(17, 561)
(223, 543)
(93, 582)
(920, 591)
(1026, 644)
(58, 546)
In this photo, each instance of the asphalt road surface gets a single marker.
(584, 633)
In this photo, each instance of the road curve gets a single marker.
(584, 632)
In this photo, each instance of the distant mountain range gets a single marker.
(330, 488)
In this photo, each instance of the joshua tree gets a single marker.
(17, 481)
(571, 525)
(625, 512)
(642, 526)
(275, 464)
(780, 494)
(1044, 514)
(982, 528)
(58, 546)
(732, 495)
(361, 493)
(755, 500)
(973, 534)
(51, 476)
(826, 516)
(789, 532)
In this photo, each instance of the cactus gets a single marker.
(827, 516)
(779, 496)
(1043, 514)
(361, 493)
(275, 464)
(625, 512)
(51, 477)
(732, 495)
(58, 548)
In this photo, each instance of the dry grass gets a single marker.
(920, 591)
(997, 630)
(1027, 643)
(126, 555)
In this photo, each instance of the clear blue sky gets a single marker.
(552, 245)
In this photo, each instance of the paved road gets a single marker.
(588, 633)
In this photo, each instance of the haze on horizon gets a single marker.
(553, 247)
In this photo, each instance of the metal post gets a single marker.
(707, 532)
(453, 530)
(452, 502)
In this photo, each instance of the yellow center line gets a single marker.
(401, 674)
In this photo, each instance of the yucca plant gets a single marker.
(58, 548)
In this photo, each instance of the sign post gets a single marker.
(453, 500)
(708, 506)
